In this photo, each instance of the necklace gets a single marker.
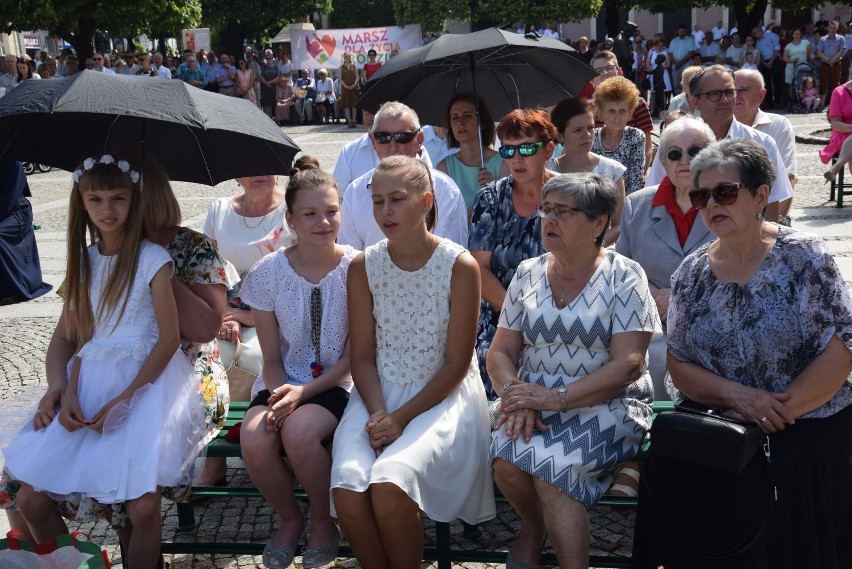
(245, 212)
(579, 282)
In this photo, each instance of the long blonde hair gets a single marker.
(78, 310)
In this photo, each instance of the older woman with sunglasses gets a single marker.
(568, 359)
(660, 227)
(504, 227)
(760, 328)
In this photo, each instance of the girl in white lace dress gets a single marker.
(415, 434)
(130, 422)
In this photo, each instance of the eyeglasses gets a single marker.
(561, 212)
(525, 149)
(606, 69)
(723, 194)
(97, 59)
(675, 154)
(399, 137)
(715, 95)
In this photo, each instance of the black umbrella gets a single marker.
(197, 136)
(507, 70)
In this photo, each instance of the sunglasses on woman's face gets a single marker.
(725, 193)
(525, 149)
(399, 137)
(675, 154)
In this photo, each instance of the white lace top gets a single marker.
(136, 333)
(273, 285)
(404, 353)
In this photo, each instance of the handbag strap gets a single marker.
(748, 540)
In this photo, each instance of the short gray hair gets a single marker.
(748, 159)
(715, 68)
(751, 74)
(699, 128)
(592, 193)
(395, 110)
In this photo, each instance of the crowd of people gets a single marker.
(448, 307)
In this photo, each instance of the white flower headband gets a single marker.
(123, 165)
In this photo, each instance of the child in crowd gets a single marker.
(749, 61)
(418, 417)
(298, 300)
(129, 422)
(810, 97)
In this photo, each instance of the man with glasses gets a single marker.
(606, 64)
(396, 131)
(226, 76)
(750, 93)
(98, 64)
(192, 74)
(713, 93)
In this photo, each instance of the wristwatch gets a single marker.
(563, 399)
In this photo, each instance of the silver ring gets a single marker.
(39, 411)
(763, 419)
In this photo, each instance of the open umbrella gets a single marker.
(508, 71)
(197, 136)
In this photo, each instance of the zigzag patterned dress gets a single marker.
(583, 448)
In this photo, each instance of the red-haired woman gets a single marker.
(505, 228)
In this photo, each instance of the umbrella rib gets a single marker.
(12, 138)
(109, 130)
(203, 157)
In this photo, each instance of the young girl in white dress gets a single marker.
(415, 434)
(129, 421)
(298, 300)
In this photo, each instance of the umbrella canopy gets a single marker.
(197, 136)
(507, 70)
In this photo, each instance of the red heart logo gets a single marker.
(328, 43)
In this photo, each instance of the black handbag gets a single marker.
(704, 438)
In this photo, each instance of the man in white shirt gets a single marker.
(698, 34)
(751, 90)
(9, 73)
(98, 63)
(396, 131)
(681, 49)
(435, 143)
(717, 82)
(163, 72)
(718, 32)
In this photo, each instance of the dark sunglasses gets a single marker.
(525, 149)
(399, 137)
(723, 194)
(675, 154)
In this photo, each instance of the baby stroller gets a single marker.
(800, 72)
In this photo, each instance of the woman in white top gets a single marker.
(325, 96)
(244, 227)
(298, 300)
(575, 130)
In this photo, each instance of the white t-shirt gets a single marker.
(244, 240)
(359, 229)
(436, 146)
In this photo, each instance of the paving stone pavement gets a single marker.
(27, 329)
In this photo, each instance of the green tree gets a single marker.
(234, 21)
(77, 20)
(361, 14)
(483, 13)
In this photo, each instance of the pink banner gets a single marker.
(315, 49)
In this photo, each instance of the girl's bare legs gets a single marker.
(271, 476)
(844, 156)
(143, 547)
(17, 521)
(40, 514)
(401, 528)
(303, 434)
(356, 517)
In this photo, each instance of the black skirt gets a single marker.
(694, 518)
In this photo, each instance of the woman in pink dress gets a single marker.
(840, 143)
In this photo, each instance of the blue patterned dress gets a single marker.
(496, 227)
(582, 449)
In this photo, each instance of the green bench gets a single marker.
(443, 551)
